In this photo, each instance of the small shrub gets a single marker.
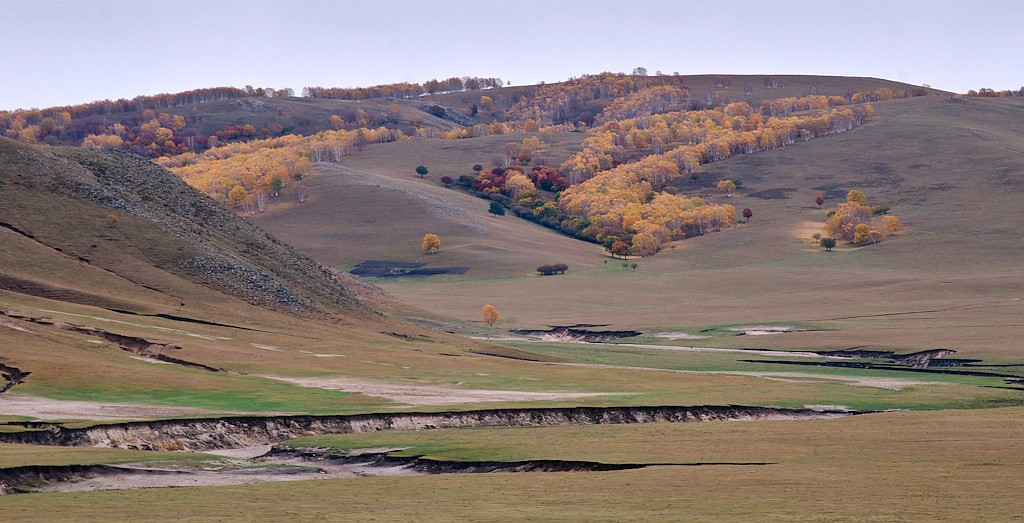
(557, 268)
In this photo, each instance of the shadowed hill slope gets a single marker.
(115, 211)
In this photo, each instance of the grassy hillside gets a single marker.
(949, 169)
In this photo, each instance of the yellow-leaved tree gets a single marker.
(856, 196)
(861, 233)
(237, 195)
(431, 243)
(890, 224)
(727, 186)
(490, 315)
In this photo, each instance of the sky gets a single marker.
(66, 52)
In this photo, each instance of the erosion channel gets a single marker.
(272, 463)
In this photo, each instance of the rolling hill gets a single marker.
(126, 297)
(949, 168)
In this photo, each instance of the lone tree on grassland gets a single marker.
(421, 170)
(828, 243)
(447, 181)
(727, 186)
(490, 315)
(747, 213)
(431, 243)
(497, 208)
(819, 200)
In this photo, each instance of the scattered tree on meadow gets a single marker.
(447, 181)
(828, 244)
(619, 249)
(497, 208)
(819, 200)
(633, 266)
(431, 243)
(301, 192)
(727, 187)
(490, 315)
(747, 213)
(421, 170)
(890, 224)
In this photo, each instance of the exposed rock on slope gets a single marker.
(214, 246)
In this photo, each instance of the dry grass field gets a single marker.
(950, 280)
(909, 466)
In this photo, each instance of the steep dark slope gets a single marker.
(134, 219)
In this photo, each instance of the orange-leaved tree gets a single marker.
(431, 243)
(490, 315)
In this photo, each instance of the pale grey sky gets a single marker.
(62, 52)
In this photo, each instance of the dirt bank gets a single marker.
(246, 431)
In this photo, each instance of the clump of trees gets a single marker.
(851, 222)
(557, 268)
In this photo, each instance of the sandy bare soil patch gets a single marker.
(758, 330)
(429, 395)
(52, 409)
(226, 472)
